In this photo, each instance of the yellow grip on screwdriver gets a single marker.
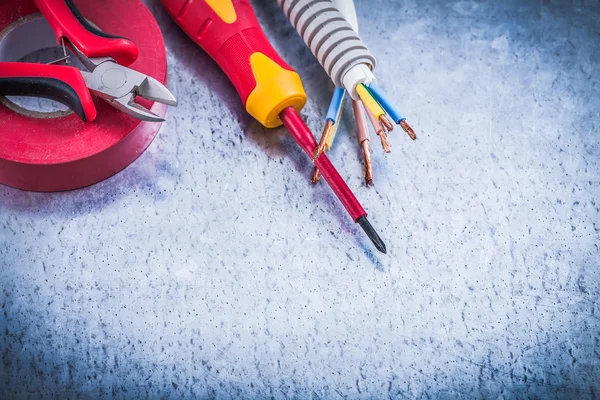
(230, 33)
(224, 9)
(276, 88)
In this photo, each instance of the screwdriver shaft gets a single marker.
(302, 134)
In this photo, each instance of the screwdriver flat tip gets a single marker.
(370, 231)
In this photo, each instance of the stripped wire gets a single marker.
(363, 138)
(380, 130)
(332, 119)
(333, 113)
(323, 141)
(391, 109)
(373, 106)
(354, 76)
(338, 115)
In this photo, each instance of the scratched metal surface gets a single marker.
(211, 268)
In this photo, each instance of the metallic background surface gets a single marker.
(211, 267)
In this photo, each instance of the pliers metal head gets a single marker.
(120, 85)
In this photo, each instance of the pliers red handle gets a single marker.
(104, 55)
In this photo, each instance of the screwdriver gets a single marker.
(270, 89)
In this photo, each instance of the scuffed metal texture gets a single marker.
(211, 267)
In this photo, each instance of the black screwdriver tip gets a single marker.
(368, 228)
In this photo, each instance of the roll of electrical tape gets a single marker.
(58, 151)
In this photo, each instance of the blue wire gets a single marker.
(335, 105)
(390, 108)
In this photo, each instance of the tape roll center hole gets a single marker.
(39, 104)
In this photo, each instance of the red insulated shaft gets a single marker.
(304, 137)
(270, 90)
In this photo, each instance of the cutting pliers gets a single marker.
(105, 56)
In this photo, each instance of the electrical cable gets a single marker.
(333, 41)
(330, 29)
(338, 118)
(333, 115)
(391, 109)
(332, 36)
(379, 130)
(335, 105)
(363, 139)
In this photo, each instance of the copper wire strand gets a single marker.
(408, 129)
(363, 138)
(321, 148)
(368, 163)
(323, 141)
(384, 142)
(379, 130)
(386, 122)
(316, 175)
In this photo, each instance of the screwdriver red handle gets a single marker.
(230, 33)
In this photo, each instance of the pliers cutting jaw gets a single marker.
(104, 55)
(119, 86)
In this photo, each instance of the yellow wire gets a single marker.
(369, 101)
(333, 131)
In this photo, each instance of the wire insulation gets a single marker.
(361, 121)
(335, 105)
(338, 119)
(369, 101)
(389, 107)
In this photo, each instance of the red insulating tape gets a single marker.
(66, 153)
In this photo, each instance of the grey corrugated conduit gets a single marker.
(332, 40)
